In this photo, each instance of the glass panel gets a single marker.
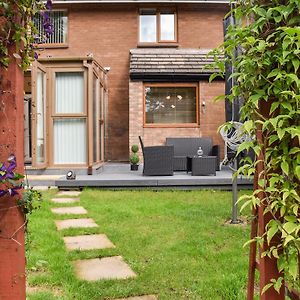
(147, 28)
(96, 104)
(101, 124)
(170, 105)
(167, 27)
(70, 141)
(40, 116)
(69, 92)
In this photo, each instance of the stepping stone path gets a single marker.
(69, 193)
(146, 297)
(91, 269)
(75, 223)
(105, 268)
(88, 242)
(64, 200)
(74, 210)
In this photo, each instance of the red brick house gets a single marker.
(114, 70)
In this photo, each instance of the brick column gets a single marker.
(12, 254)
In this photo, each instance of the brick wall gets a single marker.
(211, 117)
(109, 32)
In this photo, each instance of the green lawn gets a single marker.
(176, 241)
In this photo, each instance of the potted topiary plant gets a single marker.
(134, 158)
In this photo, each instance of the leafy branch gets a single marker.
(17, 28)
(267, 67)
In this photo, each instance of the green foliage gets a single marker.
(267, 36)
(18, 29)
(30, 201)
(134, 159)
(134, 148)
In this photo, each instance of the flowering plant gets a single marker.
(17, 27)
(10, 180)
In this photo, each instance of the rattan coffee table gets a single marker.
(201, 165)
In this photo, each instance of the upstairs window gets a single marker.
(157, 26)
(59, 22)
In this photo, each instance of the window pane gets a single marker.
(59, 22)
(147, 28)
(96, 104)
(40, 110)
(70, 141)
(167, 28)
(69, 92)
(170, 105)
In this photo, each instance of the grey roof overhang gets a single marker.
(170, 64)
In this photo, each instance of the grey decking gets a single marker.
(119, 176)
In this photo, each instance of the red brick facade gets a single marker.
(109, 32)
(211, 116)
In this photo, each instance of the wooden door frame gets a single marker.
(35, 67)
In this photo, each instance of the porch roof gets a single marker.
(151, 63)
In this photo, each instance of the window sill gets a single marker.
(157, 45)
(171, 125)
(50, 46)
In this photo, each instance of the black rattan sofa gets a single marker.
(184, 147)
(158, 160)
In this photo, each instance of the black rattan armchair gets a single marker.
(158, 160)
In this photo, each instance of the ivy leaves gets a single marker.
(264, 49)
(18, 29)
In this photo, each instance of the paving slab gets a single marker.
(73, 210)
(145, 297)
(88, 242)
(75, 223)
(69, 193)
(64, 200)
(102, 269)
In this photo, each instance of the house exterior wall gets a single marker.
(109, 32)
(211, 117)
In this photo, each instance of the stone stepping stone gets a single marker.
(145, 297)
(88, 242)
(75, 223)
(69, 193)
(105, 268)
(64, 200)
(74, 210)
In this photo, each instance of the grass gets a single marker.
(176, 241)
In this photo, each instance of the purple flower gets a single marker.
(2, 193)
(3, 167)
(13, 191)
(49, 4)
(36, 56)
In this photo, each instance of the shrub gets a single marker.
(134, 159)
(134, 148)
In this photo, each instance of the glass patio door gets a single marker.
(69, 118)
(38, 117)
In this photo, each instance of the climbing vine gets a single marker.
(264, 47)
(17, 28)
(17, 31)
(11, 182)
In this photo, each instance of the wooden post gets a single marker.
(12, 251)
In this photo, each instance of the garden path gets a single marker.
(96, 268)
